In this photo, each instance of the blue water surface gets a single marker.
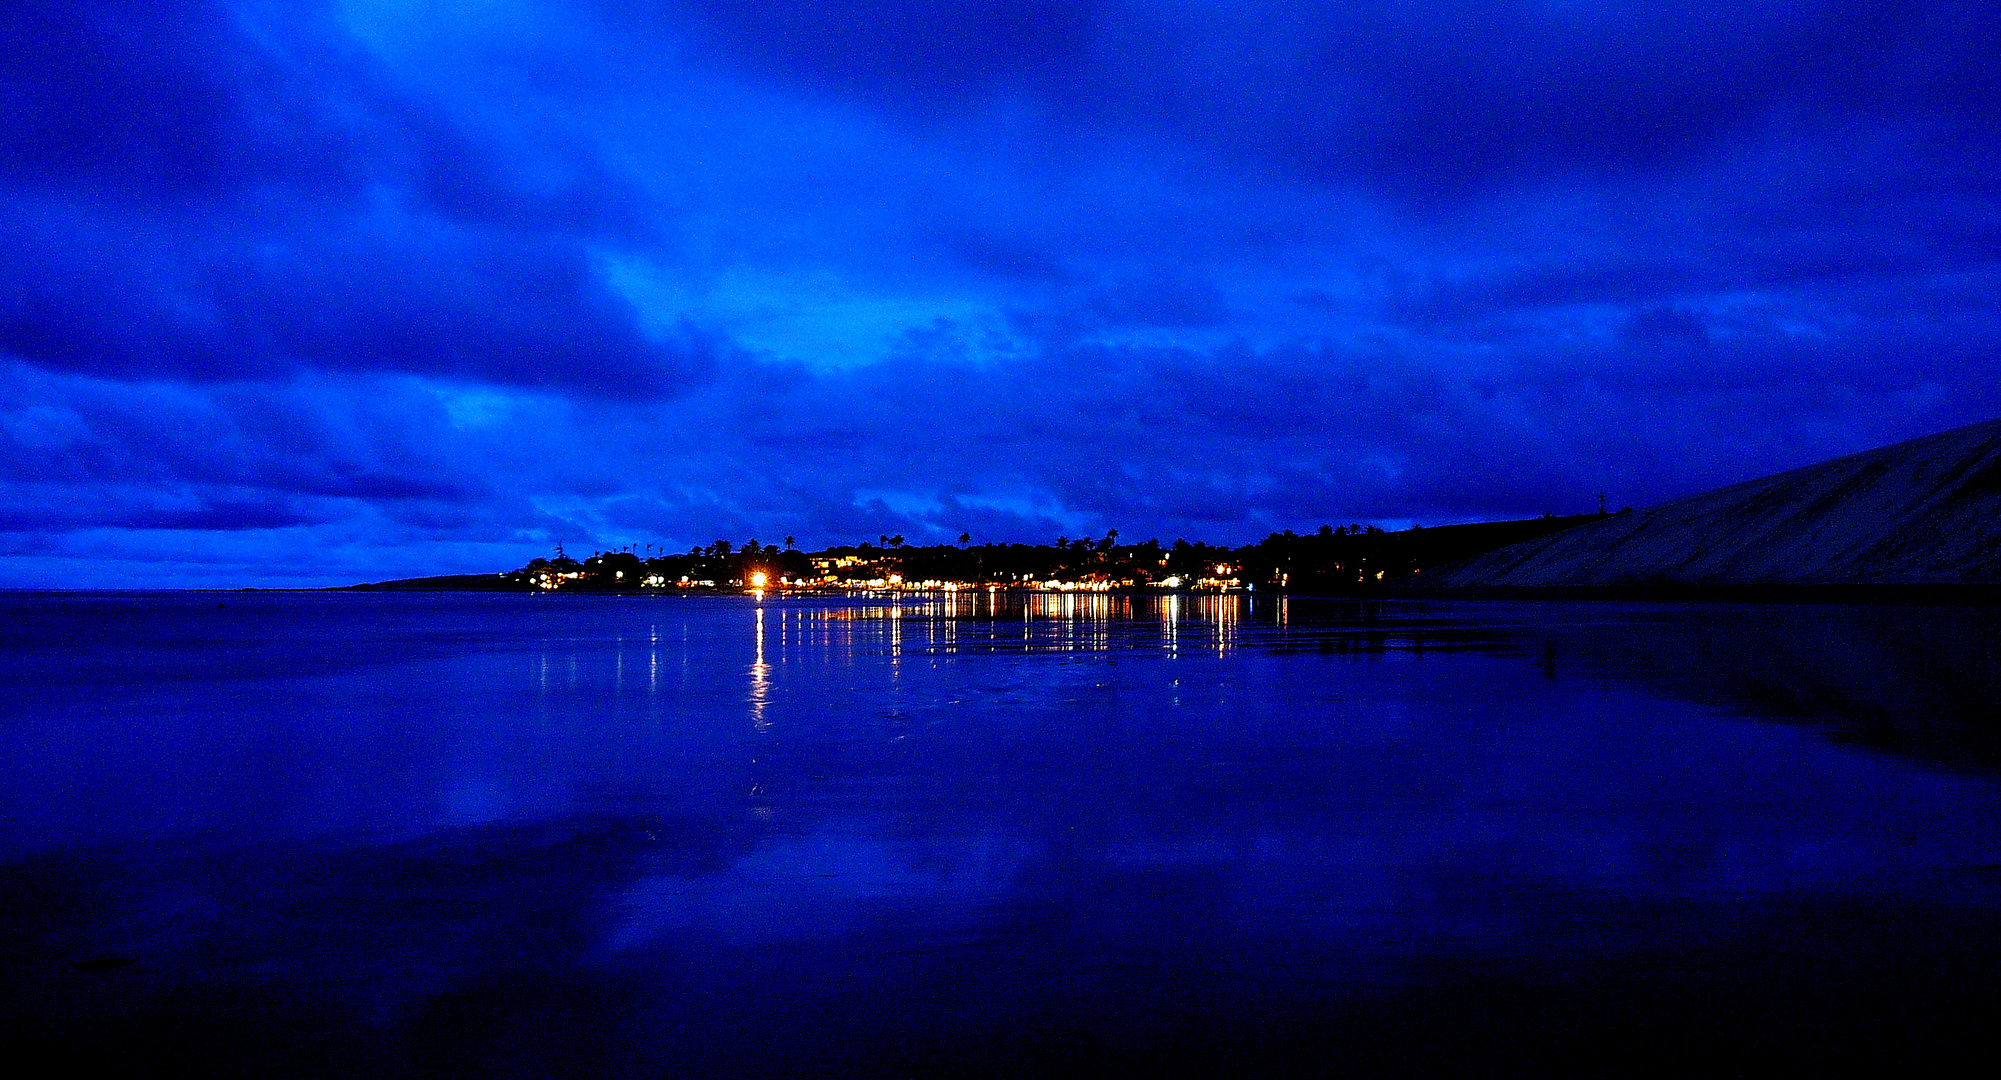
(443, 834)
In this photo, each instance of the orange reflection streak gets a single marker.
(760, 679)
(1224, 612)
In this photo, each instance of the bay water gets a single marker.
(444, 834)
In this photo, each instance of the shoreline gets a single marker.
(1919, 593)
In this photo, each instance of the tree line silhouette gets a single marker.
(1333, 560)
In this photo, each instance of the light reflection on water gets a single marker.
(982, 807)
(1069, 622)
(760, 677)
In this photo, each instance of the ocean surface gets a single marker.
(369, 834)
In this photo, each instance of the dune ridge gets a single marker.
(1924, 512)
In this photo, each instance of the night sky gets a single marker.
(316, 293)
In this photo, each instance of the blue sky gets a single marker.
(314, 293)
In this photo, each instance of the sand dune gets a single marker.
(1923, 512)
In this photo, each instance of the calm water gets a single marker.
(381, 835)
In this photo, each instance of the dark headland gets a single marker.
(1917, 520)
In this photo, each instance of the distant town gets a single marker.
(1332, 560)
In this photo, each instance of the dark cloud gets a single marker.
(33, 508)
(1434, 99)
(1455, 96)
(522, 310)
(1666, 326)
(195, 200)
(203, 101)
(925, 53)
(1421, 100)
(1161, 299)
(1009, 258)
(307, 292)
(135, 95)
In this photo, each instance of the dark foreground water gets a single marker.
(409, 835)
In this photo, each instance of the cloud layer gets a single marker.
(303, 293)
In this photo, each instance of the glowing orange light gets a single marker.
(758, 579)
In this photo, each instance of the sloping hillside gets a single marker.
(1924, 512)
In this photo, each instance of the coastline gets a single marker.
(1903, 593)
